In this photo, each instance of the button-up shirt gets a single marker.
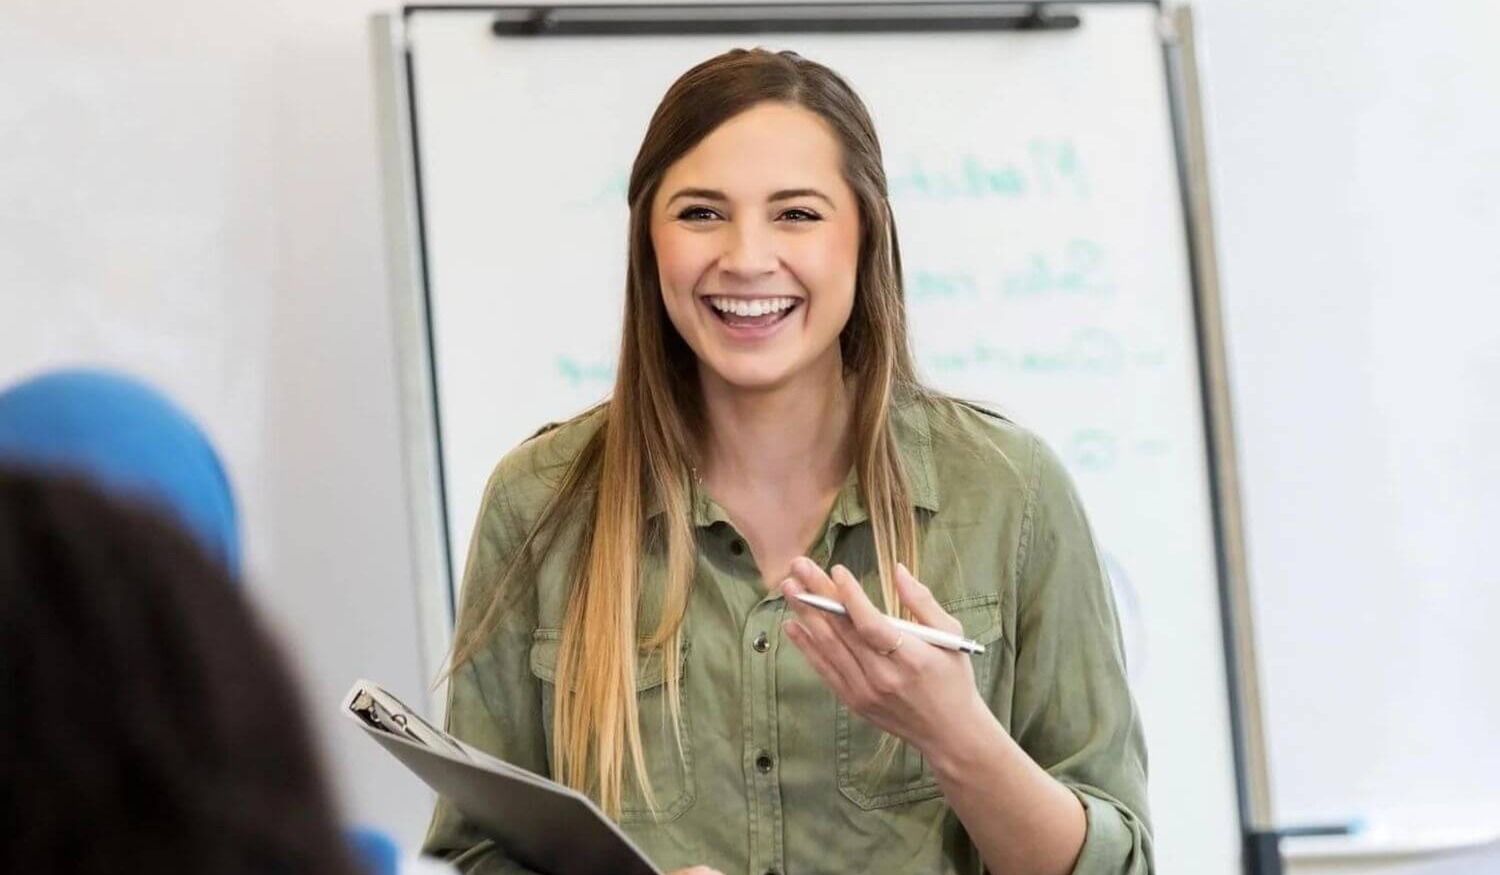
(775, 774)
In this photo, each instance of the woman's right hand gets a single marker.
(696, 870)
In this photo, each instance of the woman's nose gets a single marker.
(750, 251)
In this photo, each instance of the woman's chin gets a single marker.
(751, 375)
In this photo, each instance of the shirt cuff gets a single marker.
(1110, 844)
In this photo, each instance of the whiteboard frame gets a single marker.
(1246, 714)
(406, 269)
(421, 431)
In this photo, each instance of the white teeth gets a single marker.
(757, 307)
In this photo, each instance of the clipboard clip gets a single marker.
(382, 712)
(367, 709)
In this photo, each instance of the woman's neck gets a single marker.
(782, 436)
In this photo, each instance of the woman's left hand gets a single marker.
(919, 692)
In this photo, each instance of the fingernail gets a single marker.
(903, 569)
(789, 586)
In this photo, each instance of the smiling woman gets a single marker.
(623, 626)
(759, 281)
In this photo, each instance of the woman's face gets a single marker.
(757, 243)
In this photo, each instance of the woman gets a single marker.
(624, 626)
(149, 725)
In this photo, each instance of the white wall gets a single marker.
(189, 190)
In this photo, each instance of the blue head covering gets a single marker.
(376, 850)
(127, 438)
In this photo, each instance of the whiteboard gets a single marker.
(1358, 200)
(1047, 272)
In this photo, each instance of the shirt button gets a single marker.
(737, 547)
(761, 643)
(764, 762)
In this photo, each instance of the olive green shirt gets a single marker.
(774, 778)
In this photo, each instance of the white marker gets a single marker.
(938, 637)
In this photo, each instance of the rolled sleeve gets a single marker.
(1073, 711)
(1116, 840)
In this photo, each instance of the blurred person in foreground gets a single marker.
(150, 725)
(131, 441)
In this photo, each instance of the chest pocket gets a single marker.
(871, 778)
(671, 775)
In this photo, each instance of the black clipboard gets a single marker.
(539, 823)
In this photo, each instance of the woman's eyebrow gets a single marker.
(707, 194)
(785, 194)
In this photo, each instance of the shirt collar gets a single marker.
(913, 438)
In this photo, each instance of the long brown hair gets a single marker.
(652, 423)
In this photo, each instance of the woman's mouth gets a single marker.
(751, 317)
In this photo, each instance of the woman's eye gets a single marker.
(797, 215)
(697, 214)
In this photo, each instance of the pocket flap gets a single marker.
(979, 613)
(546, 643)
